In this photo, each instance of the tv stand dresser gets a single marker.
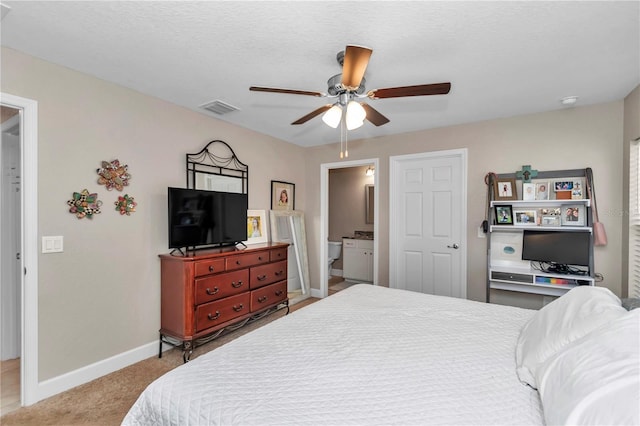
(208, 292)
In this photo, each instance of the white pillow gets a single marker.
(596, 379)
(571, 316)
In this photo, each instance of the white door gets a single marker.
(427, 232)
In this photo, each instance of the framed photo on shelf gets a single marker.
(576, 191)
(283, 195)
(573, 215)
(505, 189)
(525, 217)
(542, 190)
(528, 191)
(563, 188)
(257, 227)
(504, 215)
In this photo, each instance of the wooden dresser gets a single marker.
(207, 292)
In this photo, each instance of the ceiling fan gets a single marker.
(349, 86)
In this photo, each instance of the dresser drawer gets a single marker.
(216, 287)
(218, 312)
(278, 254)
(245, 260)
(268, 296)
(209, 266)
(267, 274)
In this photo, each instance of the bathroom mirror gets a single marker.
(217, 168)
(288, 226)
(368, 199)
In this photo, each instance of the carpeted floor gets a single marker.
(105, 401)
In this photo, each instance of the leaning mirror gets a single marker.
(287, 226)
(217, 168)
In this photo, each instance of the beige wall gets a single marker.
(101, 297)
(572, 138)
(631, 132)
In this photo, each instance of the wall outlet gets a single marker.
(481, 233)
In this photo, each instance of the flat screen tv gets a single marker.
(556, 247)
(199, 218)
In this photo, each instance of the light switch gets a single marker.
(53, 244)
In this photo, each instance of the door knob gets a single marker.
(454, 246)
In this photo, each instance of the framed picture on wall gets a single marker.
(505, 189)
(257, 230)
(283, 195)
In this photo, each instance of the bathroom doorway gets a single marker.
(350, 182)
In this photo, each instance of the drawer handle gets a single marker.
(259, 257)
(214, 317)
(210, 268)
(279, 293)
(262, 277)
(262, 299)
(236, 284)
(237, 262)
(212, 292)
(280, 272)
(238, 308)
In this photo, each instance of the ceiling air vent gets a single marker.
(219, 107)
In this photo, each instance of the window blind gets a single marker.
(634, 219)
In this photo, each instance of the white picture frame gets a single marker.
(573, 215)
(257, 227)
(528, 191)
(542, 190)
(524, 217)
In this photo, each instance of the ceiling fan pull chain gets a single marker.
(346, 143)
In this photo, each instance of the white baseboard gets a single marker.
(336, 272)
(94, 371)
(315, 292)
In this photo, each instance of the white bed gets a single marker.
(367, 355)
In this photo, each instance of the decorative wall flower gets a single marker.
(113, 175)
(126, 205)
(84, 204)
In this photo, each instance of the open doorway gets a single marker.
(10, 284)
(21, 257)
(360, 194)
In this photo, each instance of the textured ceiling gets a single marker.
(503, 58)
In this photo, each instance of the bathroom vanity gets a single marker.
(357, 258)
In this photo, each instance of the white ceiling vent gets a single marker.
(219, 107)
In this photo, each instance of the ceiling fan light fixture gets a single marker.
(332, 117)
(355, 115)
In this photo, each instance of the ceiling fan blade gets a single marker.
(286, 91)
(356, 59)
(312, 114)
(419, 90)
(374, 116)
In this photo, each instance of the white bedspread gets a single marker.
(365, 356)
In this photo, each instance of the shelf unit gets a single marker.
(518, 275)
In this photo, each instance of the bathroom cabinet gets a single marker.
(357, 260)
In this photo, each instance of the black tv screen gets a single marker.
(559, 247)
(206, 218)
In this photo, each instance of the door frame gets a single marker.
(324, 217)
(394, 161)
(29, 244)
